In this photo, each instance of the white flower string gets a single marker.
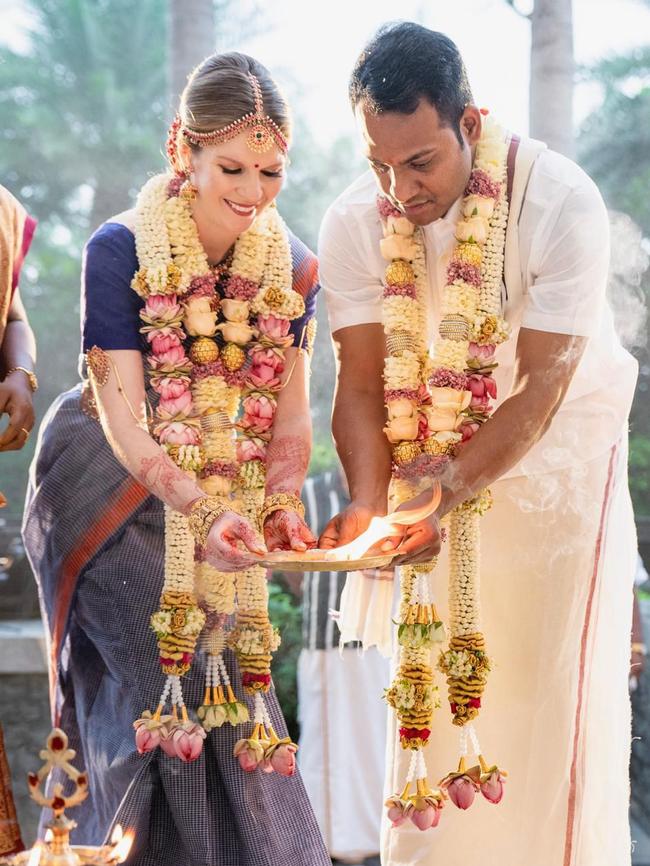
(236, 345)
(433, 406)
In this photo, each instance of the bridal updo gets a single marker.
(219, 92)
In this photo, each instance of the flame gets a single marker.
(49, 835)
(35, 856)
(118, 834)
(121, 850)
(384, 527)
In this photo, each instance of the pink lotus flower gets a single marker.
(250, 449)
(482, 386)
(170, 389)
(175, 406)
(167, 745)
(266, 368)
(263, 377)
(146, 740)
(425, 818)
(258, 413)
(462, 791)
(396, 816)
(163, 340)
(149, 730)
(492, 785)
(249, 753)
(273, 326)
(283, 759)
(162, 307)
(468, 430)
(178, 433)
(398, 810)
(188, 741)
(174, 355)
(481, 352)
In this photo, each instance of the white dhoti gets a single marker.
(342, 745)
(557, 567)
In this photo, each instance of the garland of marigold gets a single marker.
(235, 360)
(433, 406)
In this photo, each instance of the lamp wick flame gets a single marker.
(122, 843)
(35, 856)
(385, 527)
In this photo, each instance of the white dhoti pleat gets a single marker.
(343, 745)
(558, 556)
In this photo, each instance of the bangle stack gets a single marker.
(281, 502)
(203, 513)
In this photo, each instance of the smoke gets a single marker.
(629, 261)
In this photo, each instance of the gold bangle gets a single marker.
(281, 502)
(640, 648)
(203, 513)
(31, 376)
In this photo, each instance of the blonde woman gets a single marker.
(106, 513)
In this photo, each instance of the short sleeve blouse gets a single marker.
(110, 309)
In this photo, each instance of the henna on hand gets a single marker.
(160, 475)
(222, 551)
(286, 530)
(287, 459)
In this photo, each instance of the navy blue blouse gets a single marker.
(110, 309)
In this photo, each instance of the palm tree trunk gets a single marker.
(191, 38)
(551, 75)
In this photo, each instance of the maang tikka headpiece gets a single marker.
(263, 130)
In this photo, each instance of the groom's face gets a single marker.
(418, 160)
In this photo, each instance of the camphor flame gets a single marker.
(384, 527)
(122, 843)
(49, 836)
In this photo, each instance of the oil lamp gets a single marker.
(55, 848)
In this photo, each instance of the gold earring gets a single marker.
(188, 190)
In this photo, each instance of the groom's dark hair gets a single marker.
(404, 63)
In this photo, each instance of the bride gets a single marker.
(149, 483)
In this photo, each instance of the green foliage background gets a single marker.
(614, 147)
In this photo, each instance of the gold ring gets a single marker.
(25, 431)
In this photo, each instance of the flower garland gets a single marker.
(211, 357)
(433, 406)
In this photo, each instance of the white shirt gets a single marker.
(564, 257)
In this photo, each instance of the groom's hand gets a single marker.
(420, 542)
(346, 525)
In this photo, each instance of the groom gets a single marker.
(559, 544)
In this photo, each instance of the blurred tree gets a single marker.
(615, 138)
(192, 30)
(83, 109)
(82, 112)
(614, 147)
(552, 71)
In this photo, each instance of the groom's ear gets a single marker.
(471, 124)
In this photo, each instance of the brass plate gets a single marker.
(284, 560)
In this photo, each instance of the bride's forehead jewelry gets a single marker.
(263, 131)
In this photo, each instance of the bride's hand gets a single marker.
(233, 544)
(286, 530)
